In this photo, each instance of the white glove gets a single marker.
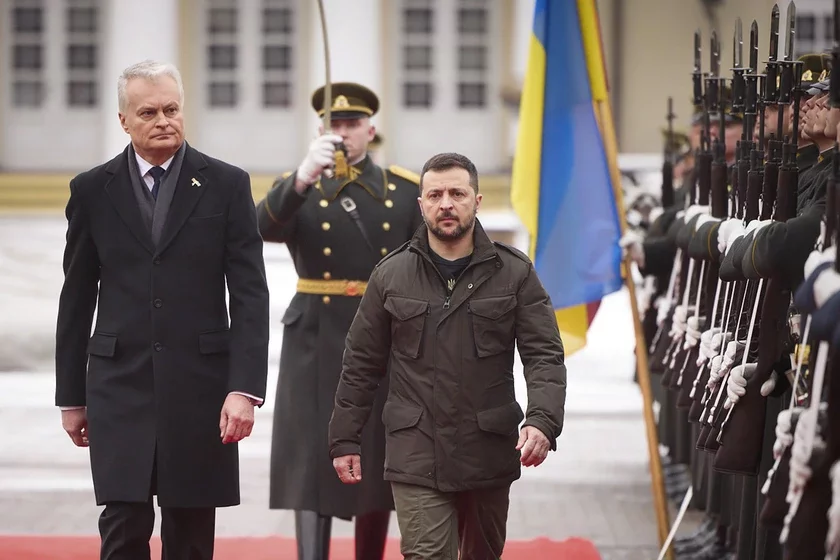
(736, 386)
(768, 386)
(832, 538)
(678, 321)
(800, 471)
(733, 234)
(631, 244)
(756, 225)
(731, 355)
(655, 213)
(826, 285)
(783, 436)
(694, 210)
(725, 230)
(692, 331)
(706, 351)
(714, 371)
(816, 258)
(321, 156)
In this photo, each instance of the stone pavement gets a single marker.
(596, 486)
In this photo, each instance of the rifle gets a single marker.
(748, 416)
(668, 160)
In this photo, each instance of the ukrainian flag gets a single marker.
(565, 168)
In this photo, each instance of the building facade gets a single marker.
(250, 66)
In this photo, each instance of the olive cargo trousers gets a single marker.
(434, 525)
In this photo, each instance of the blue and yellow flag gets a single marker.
(565, 168)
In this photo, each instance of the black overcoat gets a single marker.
(166, 348)
(326, 243)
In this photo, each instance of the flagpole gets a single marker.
(657, 480)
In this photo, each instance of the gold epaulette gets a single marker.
(405, 174)
(286, 174)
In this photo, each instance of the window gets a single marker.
(471, 95)
(81, 94)
(473, 31)
(28, 19)
(828, 29)
(81, 20)
(472, 58)
(81, 54)
(277, 94)
(222, 57)
(27, 64)
(222, 53)
(806, 27)
(277, 57)
(417, 94)
(28, 57)
(223, 94)
(277, 20)
(418, 58)
(221, 20)
(278, 52)
(418, 23)
(28, 94)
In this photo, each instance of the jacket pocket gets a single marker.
(214, 342)
(102, 345)
(502, 420)
(408, 324)
(493, 324)
(398, 416)
(290, 316)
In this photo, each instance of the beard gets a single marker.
(455, 234)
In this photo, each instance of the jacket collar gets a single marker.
(483, 247)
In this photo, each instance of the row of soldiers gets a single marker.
(742, 305)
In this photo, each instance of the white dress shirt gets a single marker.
(144, 166)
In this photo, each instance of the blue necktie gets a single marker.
(156, 173)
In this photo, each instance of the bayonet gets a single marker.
(697, 74)
(771, 91)
(754, 47)
(786, 67)
(738, 70)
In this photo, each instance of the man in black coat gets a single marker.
(166, 386)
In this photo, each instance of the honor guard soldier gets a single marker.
(338, 221)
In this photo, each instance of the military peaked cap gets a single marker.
(349, 101)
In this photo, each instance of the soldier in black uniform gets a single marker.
(337, 229)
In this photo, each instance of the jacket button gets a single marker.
(156, 260)
(389, 203)
(158, 346)
(327, 276)
(158, 303)
(327, 251)
(326, 300)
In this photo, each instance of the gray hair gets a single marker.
(149, 70)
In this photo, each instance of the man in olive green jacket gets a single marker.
(441, 316)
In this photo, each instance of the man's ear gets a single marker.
(122, 122)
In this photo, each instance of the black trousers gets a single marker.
(186, 533)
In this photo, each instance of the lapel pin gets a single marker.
(195, 182)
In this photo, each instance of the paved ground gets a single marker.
(597, 485)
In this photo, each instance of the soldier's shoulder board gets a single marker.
(406, 174)
(286, 174)
(513, 251)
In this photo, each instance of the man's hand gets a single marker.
(74, 423)
(534, 446)
(237, 419)
(321, 156)
(348, 468)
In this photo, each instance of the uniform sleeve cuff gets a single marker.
(345, 449)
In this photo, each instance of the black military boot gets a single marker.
(313, 535)
(371, 534)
